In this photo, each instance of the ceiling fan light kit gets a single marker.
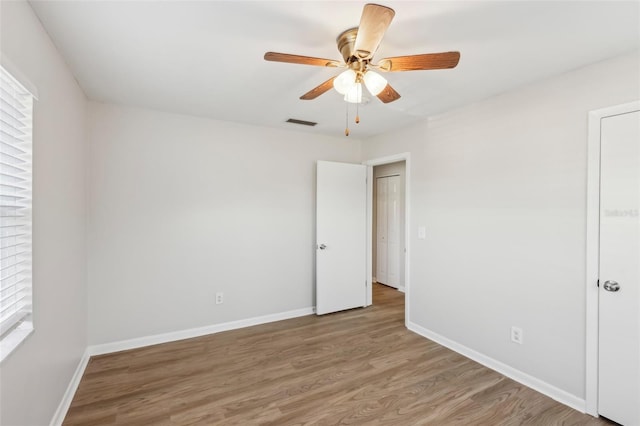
(354, 94)
(357, 47)
(375, 82)
(347, 81)
(343, 82)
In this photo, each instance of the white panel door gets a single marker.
(619, 295)
(388, 230)
(393, 231)
(341, 218)
(381, 230)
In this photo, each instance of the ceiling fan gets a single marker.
(357, 46)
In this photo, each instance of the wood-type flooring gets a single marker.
(355, 367)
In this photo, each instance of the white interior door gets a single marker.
(619, 297)
(381, 230)
(341, 236)
(388, 232)
(393, 231)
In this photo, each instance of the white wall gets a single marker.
(397, 168)
(500, 186)
(34, 377)
(183, 207)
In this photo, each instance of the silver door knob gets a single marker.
(322, 246)
(611, 286)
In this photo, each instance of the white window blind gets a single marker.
(16, 106)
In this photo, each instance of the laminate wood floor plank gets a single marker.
(360, 366)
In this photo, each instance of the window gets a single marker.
(16, 105)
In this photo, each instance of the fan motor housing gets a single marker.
(346, 42)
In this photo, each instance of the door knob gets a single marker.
(611, 286)
(322, 247)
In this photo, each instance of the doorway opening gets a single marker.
(387, 225)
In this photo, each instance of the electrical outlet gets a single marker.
(517, 335)
(219, 298)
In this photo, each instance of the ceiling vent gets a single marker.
(302, 122)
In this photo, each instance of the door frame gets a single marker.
(593, 248)
(406, 157)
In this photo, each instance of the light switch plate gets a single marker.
(422, 232)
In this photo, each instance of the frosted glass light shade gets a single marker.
(354, 95)
(375, 82)
(345, 81)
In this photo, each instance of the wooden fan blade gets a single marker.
(318, 90)
(388, 94)
(373, 24)
(427, 61)
(298, 59)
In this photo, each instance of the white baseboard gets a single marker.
(534, 383)
(65, 403)
(401, 288)
(140, 342)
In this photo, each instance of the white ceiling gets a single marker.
(205, 58)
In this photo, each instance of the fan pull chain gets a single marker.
(358, 103)
(346, 130)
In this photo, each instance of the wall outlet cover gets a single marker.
(517, 335)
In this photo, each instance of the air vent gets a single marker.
(302, 122)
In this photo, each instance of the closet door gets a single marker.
(393, 231)
(381, 230)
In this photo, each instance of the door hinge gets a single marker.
(598, 283)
